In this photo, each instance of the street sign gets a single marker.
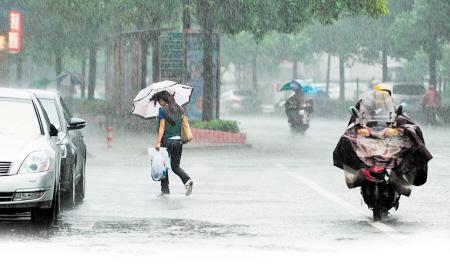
(15, 32)
(15, 21)
(172, 57)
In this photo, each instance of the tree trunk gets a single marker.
(218, 74)
(109, 73)
(328, 73)
(255, 72)
(341, 78)
(432, 65)
(156, 62)
(207, 111)
(144, 51)
(384, 62)
(19, 70)
(118, 76)
(4, 69)
(186, 15)
(83, 77)
(58, 65)
(136, 66)
(92, 71)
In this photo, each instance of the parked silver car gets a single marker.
(73, 163)
(30, 158)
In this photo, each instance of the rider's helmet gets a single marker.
(382, 87)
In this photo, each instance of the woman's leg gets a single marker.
(165, 185)
(165, 182)
(176, 150)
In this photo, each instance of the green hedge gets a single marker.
(221, 125)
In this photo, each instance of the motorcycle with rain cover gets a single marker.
(382, 152)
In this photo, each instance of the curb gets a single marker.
(207, 136)
(216, 146)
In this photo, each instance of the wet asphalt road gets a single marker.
(282, 193)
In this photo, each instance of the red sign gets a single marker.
(15, 32)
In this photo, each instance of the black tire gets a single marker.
(47, 217)
(377, 205)
(377, 213)
(80, 189)
(70, 195)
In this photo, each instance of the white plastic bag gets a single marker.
(160, 163)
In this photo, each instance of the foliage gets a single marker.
(57, 29)
(425, 27)
(221, 125)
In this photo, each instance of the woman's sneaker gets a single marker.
(188, 187)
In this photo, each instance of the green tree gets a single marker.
(376, 40)
(263, 16)
(425, 27)
(339, 39)
(46, 37)
(149, 15)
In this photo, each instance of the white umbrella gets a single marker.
(142, 107)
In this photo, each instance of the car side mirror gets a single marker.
(76, 123)
(400, 109)
(355, 113)
(53, 131)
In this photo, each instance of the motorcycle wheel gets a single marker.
(377, 208)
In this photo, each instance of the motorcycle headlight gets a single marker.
(35, 162)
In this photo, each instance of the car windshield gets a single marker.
(18, 118)
(52, 112)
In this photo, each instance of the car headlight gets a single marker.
(35, 162)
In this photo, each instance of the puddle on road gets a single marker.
(170, 227)
(22, 229)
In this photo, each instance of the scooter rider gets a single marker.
(297, 102)
(431, 104)
(378, 105)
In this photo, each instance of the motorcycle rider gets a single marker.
(379, 104)
(431, 104)
(297, 102)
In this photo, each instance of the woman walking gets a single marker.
(169, 136)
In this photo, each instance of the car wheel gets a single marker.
(47, 217)
(70, 194)
(81, 184)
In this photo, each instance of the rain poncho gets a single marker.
(399, 147)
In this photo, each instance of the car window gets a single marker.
(66, 112)
(52, 112)
(18, 117)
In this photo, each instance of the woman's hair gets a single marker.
(172, 110)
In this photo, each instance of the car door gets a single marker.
(55, 140)
(75, 137)
(68, 148)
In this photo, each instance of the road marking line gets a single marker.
(346, 205)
